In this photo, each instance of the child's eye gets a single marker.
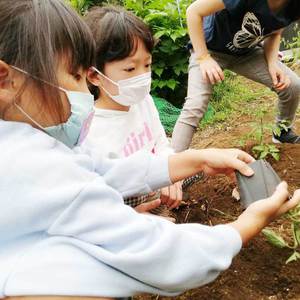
(77, 77)
(148, 65)
(129, 69)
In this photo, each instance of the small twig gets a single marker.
(157, 297)
(223, 214)
(289, 157)
(219, 211)
(262, 130)
(186, 216)
(208, 144)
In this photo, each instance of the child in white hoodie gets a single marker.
(64, 228)
(126, 119)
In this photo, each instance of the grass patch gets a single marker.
(233, 96)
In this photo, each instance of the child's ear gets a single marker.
(93, 77)
(6, 82)
(4, 74)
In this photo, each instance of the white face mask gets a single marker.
(132, 90)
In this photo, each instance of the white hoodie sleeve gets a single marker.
(154, 255)
(138, 174)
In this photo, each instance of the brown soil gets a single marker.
(259, 272)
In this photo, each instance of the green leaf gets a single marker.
(167, 49)
(275, 239)
(158, 71)
(182, 32)
(273, 148)
(263, 154)
(174, 37)
(296, 233)
(176, 34)
(258, 148)
(181, 68)
(277, 130)
(155, 15)
(171, 84)
(295, 256)
(159, 34)
(276, 156)
(283, 125)
(162, 83)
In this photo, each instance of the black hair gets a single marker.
(36, 34)
(116, 31)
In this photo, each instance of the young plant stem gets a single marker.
(262, 131)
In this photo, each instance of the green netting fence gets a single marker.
(169, 114)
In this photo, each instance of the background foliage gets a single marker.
(168, 23)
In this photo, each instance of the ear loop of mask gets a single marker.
(39, 79)
(110, 80)
(25, 113)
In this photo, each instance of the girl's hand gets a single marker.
(171, 195)
(211, 71)
(279, 203)
(144, 208)
(147, 206)
(280, 80)
(209, 161)
(260, 213)
(226, 161)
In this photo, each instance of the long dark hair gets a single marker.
(36, 34)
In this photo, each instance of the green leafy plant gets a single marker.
(259, 130)
(277, 240)
(263, 150)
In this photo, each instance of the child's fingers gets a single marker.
(179, 195)
(145, 207)
(274, 78)
(211, 77)
(245, 157)
(281, 193)
(205, 77)
(175, 204)
(172, 195)
(282, 185)
(292, 203)
(240, 166)
(216, 75)
(164, 195)
(221, 73)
